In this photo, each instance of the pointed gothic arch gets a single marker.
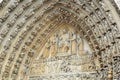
(25, 25)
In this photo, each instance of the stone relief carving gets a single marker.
(64, 58)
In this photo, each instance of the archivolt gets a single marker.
(25, 26)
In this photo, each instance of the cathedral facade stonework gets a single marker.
(59, 39)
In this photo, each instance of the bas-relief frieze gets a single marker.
(69, 62)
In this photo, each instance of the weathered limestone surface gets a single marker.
(26, 26)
